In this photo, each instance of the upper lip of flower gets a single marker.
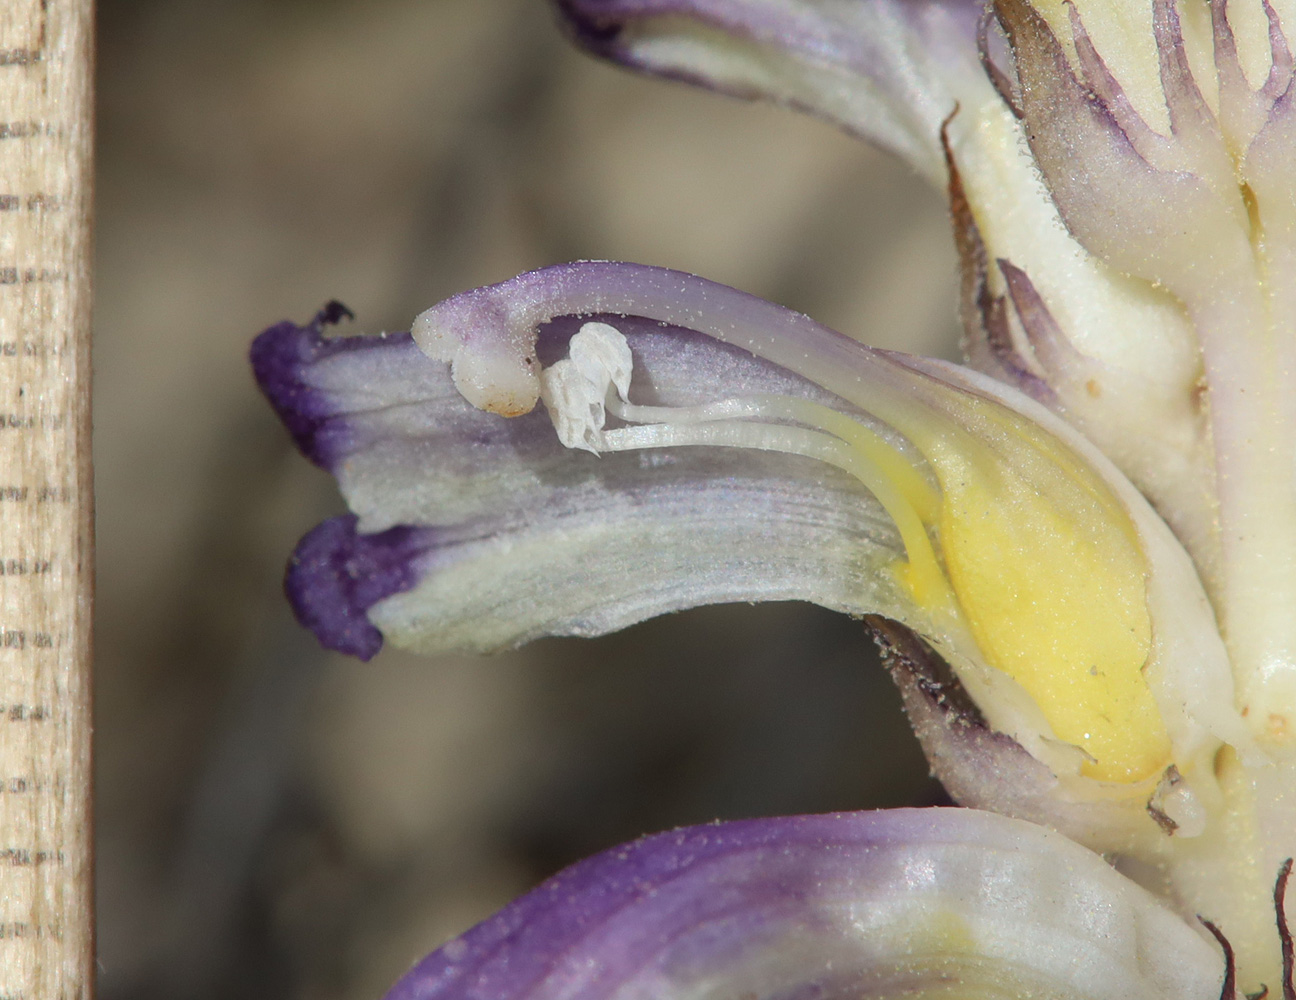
(852, 477)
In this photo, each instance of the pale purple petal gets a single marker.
(503, 320)
(478, 532)
(846, 905)
(1243, 111)
(889, 70)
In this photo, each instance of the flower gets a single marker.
(1080, 558)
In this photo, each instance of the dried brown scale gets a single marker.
(984, 315)
(904, 652)
(1284, 930)
(1229, 990)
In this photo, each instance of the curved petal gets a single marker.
(478, 533)
(897, 903)
(1059, 598)
(941, 410)
(889, 70)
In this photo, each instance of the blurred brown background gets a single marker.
(278, 822)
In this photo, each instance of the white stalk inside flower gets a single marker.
(595, 379)
(1059, 607)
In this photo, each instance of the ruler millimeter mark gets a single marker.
(46, 929)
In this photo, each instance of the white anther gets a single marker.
(601, 354)
(575, 390)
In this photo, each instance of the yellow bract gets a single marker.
(1048, 573)
(1061, 609)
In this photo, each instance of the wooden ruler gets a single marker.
(46, 507)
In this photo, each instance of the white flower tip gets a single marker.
(492, 361)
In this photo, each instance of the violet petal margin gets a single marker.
(337, 574)
(277, 357)
(854, 905)
(888, 70)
